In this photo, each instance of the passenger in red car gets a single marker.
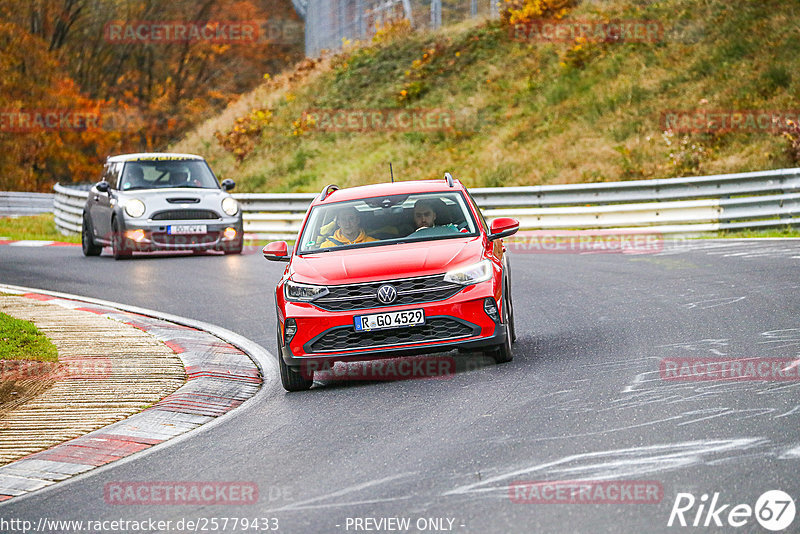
(349, 232)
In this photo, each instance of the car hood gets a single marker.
(385, 262)
(173, 193)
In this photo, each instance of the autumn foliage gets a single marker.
(58, 60)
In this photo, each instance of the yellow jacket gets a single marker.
(338, 239)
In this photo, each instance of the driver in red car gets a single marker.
(349, 232)
(426, 212)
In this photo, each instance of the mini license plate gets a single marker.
(382, 321)
(184, 229)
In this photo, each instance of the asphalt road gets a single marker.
(582, 400)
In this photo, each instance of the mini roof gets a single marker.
(153, 156)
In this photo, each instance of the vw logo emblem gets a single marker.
(387, 294)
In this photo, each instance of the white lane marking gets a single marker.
(619, 463)
(712, 303)
(30, 243)
(714, 346)
(301, 505)
(792, 365)
(641, 379)
(790, 412)
(791, 454)
(754, 412)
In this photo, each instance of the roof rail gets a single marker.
(330, 188)
(449, 178)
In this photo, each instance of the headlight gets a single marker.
(134, 208)
(230, 206)
(471, 274)
(303, 292)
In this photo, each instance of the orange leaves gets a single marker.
(246, 131)
(57, 56)
(390, 30)
(524, 11)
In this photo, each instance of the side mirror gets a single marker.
(228, 184)
(503, 227)
(103, 186)
(276, 251)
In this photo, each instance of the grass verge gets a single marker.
(21, 340)
(786, 231)
(34, 227)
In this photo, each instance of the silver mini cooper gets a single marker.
(147, 202)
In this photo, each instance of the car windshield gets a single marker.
(387, 220)
(155, 174)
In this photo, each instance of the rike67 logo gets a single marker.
(774, 510)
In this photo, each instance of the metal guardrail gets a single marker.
(670, 206)
(14, 204)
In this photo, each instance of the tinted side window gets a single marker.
(106, 172)
(480, 213)
(114, 174)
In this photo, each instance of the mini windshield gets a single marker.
(387, 220)
(164, 174)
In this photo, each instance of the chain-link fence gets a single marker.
(329, 23)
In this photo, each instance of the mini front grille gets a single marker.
(409, 291)
(183, 240)
(435, 329)
(185, 215)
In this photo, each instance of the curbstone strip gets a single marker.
(220, 377)
(30, 243)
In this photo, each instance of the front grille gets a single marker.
(185, 215)
(435, 329)
(185, 240)
(409, 291)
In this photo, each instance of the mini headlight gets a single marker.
(471, 274)
(303, 292)
(230, 206)
(134, 208)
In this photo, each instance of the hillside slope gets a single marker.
(526, 112)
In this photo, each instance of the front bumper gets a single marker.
(460, 322)
(147, 236)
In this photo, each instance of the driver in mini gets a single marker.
(349, 232)
(134, 177)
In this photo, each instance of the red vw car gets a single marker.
(389, 270)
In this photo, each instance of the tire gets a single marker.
(504, 353)
(121, 252)
(87, 241)
(291, 378)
